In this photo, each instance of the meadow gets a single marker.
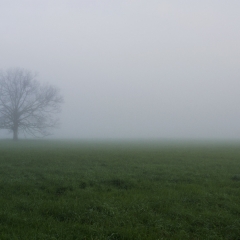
(91, 190)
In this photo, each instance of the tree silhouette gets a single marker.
(26, 105)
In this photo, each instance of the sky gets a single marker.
(146, 69)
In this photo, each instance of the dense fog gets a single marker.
(131, 69)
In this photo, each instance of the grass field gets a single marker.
(76, 190)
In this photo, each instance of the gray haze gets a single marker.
(132, 68)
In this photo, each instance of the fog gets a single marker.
(132, 69)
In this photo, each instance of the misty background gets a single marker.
(132, 69)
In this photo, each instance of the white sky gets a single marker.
(132, 69)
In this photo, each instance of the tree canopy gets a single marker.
(26, 105)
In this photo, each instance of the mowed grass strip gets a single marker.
(76, 190)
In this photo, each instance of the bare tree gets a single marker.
(26, 105)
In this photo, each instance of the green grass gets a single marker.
(77, 190)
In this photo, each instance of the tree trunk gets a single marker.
(15, 134)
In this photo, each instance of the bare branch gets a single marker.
(26, 105)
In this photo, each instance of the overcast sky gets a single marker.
(132, 68)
